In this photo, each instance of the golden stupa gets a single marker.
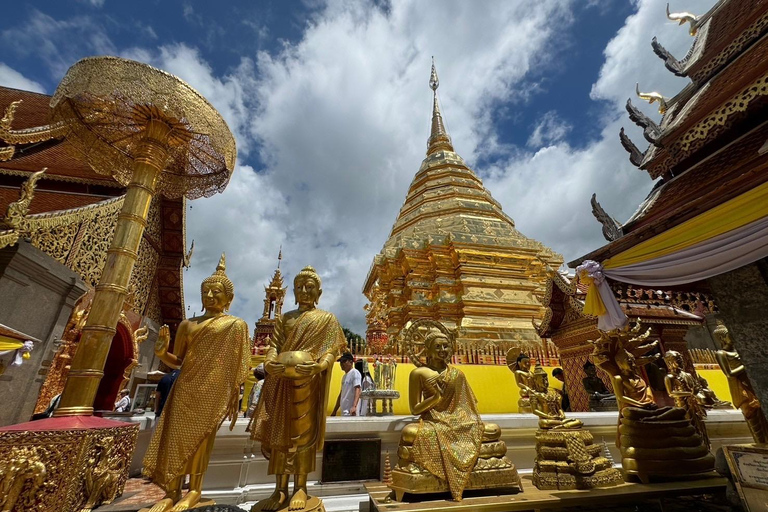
(453, 255)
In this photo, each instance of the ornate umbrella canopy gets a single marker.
(108, 102)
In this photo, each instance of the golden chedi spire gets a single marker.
(438, 137)
(455, 256)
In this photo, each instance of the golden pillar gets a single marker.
(88, 364)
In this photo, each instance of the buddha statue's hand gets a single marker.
(163, 341)
(309, 369)
(432, 385)
(274, 368)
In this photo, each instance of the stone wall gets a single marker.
(37, 295)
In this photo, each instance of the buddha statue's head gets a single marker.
(626, 363)
(307, 288)
(217, 291)
(674, 360)
(540, 379)
(523, 362)
(438, 347)
(722, 334)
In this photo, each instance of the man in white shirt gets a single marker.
(124, 404)
(349, 397)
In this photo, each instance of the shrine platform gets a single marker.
(237, 471)
(534, 499)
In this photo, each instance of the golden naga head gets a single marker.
(220, 277)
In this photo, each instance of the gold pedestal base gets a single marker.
(64, 464)
(426, 483)
(568, 459)
(200, 504)
(314, 504)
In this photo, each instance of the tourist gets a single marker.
(124, 404)
(559, 374)
(163, 390)
(366, 385)
(349, 396)
(253, 397)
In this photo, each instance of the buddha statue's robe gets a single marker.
(290, 417)
(448, 440)
(215, 362)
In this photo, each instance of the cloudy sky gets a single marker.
(330, 104)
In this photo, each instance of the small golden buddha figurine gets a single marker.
(520, 365)
(213, 352)
(655, 442)
(566, 456)
(289, 420)
(546, 404)
(742, 393)
(684, 388)
(708, 398)
(450, 448)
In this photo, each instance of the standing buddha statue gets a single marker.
(290, 417)
(742, 393)
(520, 365)
(213, 352)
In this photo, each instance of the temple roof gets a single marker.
(710, 144)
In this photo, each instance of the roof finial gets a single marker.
(652, 97)
(279, 256)
(434, 82)
(438, 138)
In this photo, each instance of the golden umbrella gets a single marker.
(154, 134)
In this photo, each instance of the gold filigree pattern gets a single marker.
(56, 241)
(65, 455)
(95, 243)
(718, 118)
(736, 46)
(154, 222)
(144, 274)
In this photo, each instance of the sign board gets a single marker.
(749, 467)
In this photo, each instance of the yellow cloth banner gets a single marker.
(9, 345)
(737, 212)
(593, 304)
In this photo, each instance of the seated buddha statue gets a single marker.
(546, 404)
(566, 455)
(655, 442)
(450, 448)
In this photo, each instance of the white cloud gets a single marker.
(9, 77)
(548, 130)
